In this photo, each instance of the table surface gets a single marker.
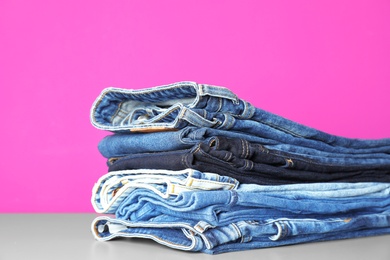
(68, 236)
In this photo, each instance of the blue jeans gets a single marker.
(221, 207)
(191, 210)
(182, 104)
(122, 144)
(253, 163)
(112, 188)
(182, 234)
(139, 195)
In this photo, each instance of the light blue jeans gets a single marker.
(112, 188)
(195, 211)
(135, 196)
(182, 104)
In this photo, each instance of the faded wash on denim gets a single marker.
(187, 235)
(227, 216)
(136, 196)
(182, 104)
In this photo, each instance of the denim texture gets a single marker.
(217, 215)
(194, 167)
(182, 104)
(253, 163)
(243, 235)
(135, 196)
(165, 184)
(223, 207)
(112, 188)
(121, 144)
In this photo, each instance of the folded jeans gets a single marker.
(220, 200)
(243, 235)
(253, 163)
(182, 104)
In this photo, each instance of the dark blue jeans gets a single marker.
(253, 163)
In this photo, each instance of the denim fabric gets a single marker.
(243, 235)
(112, 188)
(253, 163)
(163, 108)
(205, 208)
(222, 207)
(119, 144)
(213, 214)
(182, 104)
(260, 154)
(119, 184)
(141, 195)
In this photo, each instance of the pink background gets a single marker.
(325, 64)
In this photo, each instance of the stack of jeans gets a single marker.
(195, 168)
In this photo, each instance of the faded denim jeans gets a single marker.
(187, 235)
(219, 215)
(182, 104)
(139, 195)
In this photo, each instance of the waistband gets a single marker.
(166, 107)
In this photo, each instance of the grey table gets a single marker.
(68, 236)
